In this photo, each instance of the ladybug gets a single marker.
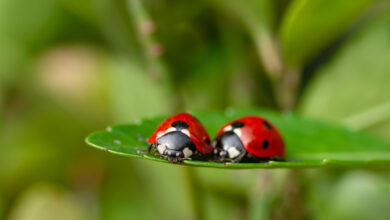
(180, 137)
(249, 139)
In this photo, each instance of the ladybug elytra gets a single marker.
(180, 137)
(249, 138)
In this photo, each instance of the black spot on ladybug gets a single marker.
(238, 124)
(180, 125)
(265, 144)
(208, 141)
(267, 125)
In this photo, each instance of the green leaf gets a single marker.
(354, 86)
(309, 26)
(129, 78)
(260, 18)
(43, 199)
(332, 196)
(308, 143)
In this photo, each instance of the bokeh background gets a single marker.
(70, 67)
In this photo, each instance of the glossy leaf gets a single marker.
(354, 86)
(323, 20)
(308, 143)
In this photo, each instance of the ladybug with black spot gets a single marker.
(249, 139)
(180, 137)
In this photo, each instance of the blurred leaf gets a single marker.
(2, 98)
(263, 195)
(116, 25)
(261, 12)
(28, 22)
(256, 14)
(2, 204)
(233, 184)
(221, 207)
(309, 26)
(199, 93)
(12, 58)
(73, 77)
(27, 28)
(84, 9)
(45, 201)
(28, 149)
(308, 143)
(134, 93)
(130, 191)
(354, 86)
(259, 17)
(358, 190)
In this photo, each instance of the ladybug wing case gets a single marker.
(261, 138)
(188, 125)
(257, 136)
(200, 137)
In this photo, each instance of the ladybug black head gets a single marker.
(228, 146)
(175, 145)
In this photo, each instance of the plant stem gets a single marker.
(287, 89)
(195, 192)
(153, 51)
(261, 196)
(285, 80)
(293, 196)
(277, 194)
(114, 28)
(145, 28)
(269, 54)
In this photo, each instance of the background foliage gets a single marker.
(69, 67)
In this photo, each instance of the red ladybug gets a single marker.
(250, 138)
(180, 137)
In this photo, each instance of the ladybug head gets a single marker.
(175, 146)
(228, 146)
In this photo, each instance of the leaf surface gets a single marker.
(308, 143)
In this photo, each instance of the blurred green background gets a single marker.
(70, 67)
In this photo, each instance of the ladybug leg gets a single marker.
(147, 151)
(143, 151)
(235, 160)
(179, 160)
(188, 158)
(174, 159)
(278, 158)
(150, 148)
(227, 161)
